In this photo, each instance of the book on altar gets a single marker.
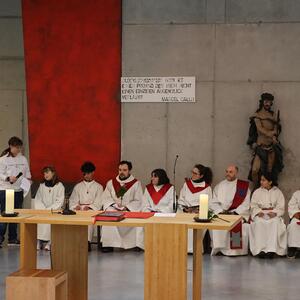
(111, 216)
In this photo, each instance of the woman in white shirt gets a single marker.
(50, 195)
(158, 197)
(188, 201)
(13, 170)
(267, 234)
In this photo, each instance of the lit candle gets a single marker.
(9, 201)
(203, 207)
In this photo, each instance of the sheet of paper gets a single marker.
(167, 215)
(25, 185)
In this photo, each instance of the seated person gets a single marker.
(50, 195)
(123, 193)
(87, 194)
(267, 232)
(293, 229)
(158, 197)
(231, 196)
(189, 196)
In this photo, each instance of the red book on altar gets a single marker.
(138, 215)
(111, 216)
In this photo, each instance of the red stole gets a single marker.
(236, 239)
(117, 186)
(157, 195)
(195, 189)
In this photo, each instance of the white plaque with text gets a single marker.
(158, 89)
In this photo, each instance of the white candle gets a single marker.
(9, 201)
(203, 207)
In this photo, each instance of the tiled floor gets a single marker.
(119, 276)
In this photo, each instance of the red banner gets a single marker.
(73, 69)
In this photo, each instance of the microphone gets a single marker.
(175, 204)
(18, 176)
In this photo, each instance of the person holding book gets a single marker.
(86, 194)
(123, 193)
(158, 197)
(267, 234)
(50, 195)
(188, 201)
(14, 171)
(293, 229)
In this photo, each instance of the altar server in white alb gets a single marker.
(14, 171)
(267, 234)
(123, 193)
(231, 196)
(158, 197)
(50, 195)
(293, 228)
(189, 196)
(86, 194)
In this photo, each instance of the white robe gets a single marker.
(121, 237)
(187, 198)
(223, 195)
(165, 205)
(267, 235)
(293, 228)
(87, 194)
(48, 198)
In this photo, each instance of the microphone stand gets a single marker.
(175, 204)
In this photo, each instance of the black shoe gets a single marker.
(89, 247)
(137, 249)
(297, 254)
(14, 242)
(291, 252)
(270, 255)
(0, 246)
(107, 249)
(262, 254)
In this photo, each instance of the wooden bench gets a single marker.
(37, 284)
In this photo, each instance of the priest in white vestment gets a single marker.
(231, 196)
(123, 193)
(267, 234)
(293, 229)
(188, 201)
(86, 195)
(158, 197)
(50, 195)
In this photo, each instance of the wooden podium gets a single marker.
(165, 260)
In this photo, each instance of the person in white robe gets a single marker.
(293, 229)
(50, 195)
(86, 194)
(267, 232)
(231, 196)
(123, 193)
(14, 171)
(158, 197)
(188, 201)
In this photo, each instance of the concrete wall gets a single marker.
(237, 49)
(13, 116)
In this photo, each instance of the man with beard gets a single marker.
(263, 139)
(123, 193)
(231, 196)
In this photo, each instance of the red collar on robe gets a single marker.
(117, 186)
(156, 196)
(195, 189)
(240, 194)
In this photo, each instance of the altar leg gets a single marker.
(28, 233)
(165, 262)
(69, 251)
(197, 263)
